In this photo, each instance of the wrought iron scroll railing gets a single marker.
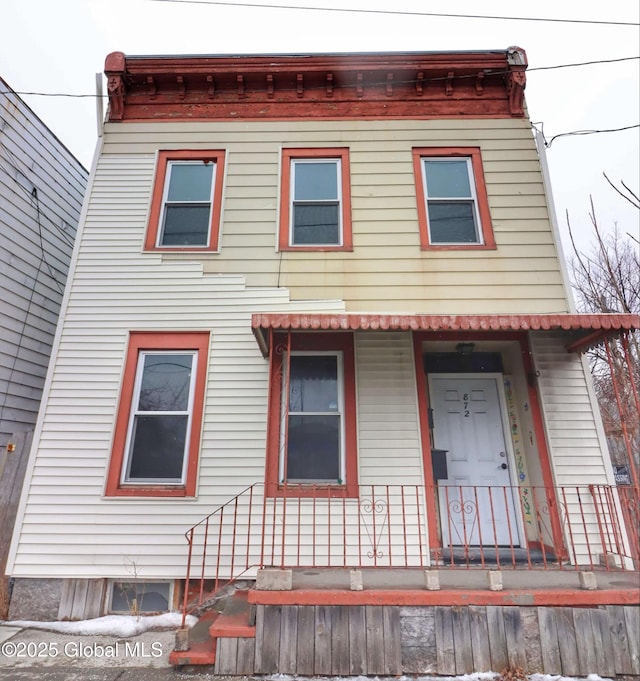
(386, 526)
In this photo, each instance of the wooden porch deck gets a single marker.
(541, 621)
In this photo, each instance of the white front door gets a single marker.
(476, 500)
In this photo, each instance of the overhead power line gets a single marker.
(589, 132)
(497, 72)
(354, 10)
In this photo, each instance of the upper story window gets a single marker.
(315, 209)
(186, 202)
(157, 435)
(453, 209)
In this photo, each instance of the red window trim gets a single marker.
(214, 156)
(158, 340)
(285, 199)
(481, 194)
(312, 341)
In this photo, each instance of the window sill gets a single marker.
(459, 247)
(321, 249)
(312, 491)
(148, 491)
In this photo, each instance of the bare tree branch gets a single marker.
(634, 201)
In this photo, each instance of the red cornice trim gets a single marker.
(434, 85)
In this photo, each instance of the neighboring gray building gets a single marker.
(42, 187)
(41, 191)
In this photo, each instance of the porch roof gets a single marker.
(586, 329)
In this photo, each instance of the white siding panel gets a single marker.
(388, 427)
(69, 474)
(568, 411)
(576, 451)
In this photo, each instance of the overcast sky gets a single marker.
(58, 46)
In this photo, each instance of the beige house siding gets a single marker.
(386, 269)
(574, 435)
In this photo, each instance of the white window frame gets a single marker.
(125, 475)
(165, 193)
(285, 413)
(115, 584)
(293, 201)
(442, 199)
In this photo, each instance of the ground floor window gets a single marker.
(157, 432)
(136, 596)
(312, 438)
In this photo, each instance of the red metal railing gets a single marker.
(571, 527)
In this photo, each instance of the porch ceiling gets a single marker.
(585, 330)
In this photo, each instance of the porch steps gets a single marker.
(202, 650)
(237, 620)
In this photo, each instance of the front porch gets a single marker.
(437, 499)
(539, 622)
(357, 586)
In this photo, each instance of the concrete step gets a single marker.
(237, 620)
(202, 649)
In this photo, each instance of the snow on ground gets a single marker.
(110, 625)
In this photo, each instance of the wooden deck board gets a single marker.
(226, 656)
(392, 650)
(605, 662)
(479, 638)
(549, 646)
(288, 640)
(305, 645)
(497, 638)
(357, 640)
(268, 639)
(340, 663)
(514, 636)
(445, 655)
(246, 656)
(587, 663)
(632, 618)
(462, 640)
(375, 634)
(618, 629)
(567, 642)
(322, 657)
